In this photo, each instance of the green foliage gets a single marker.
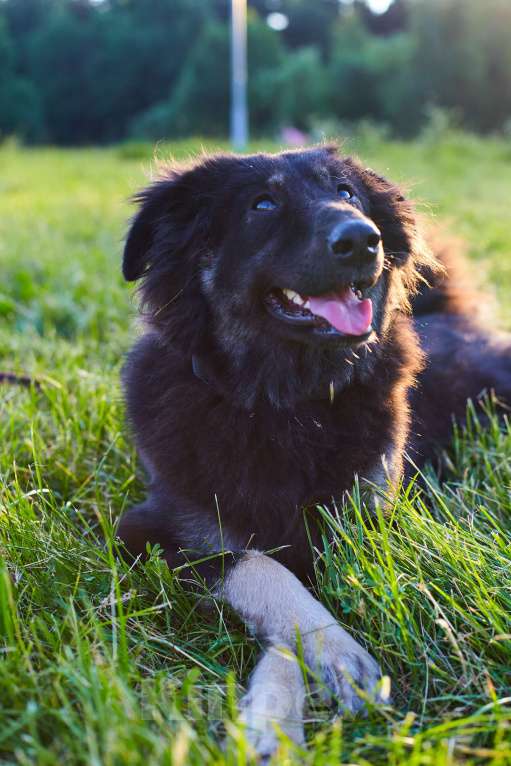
(371, 78)
(202, 93)
(106, 664)
(97, 67)
(294, 94)
(96, 71)
(463, 59)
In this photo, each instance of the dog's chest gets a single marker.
(264, 471)
(320, 449)
(282, 460)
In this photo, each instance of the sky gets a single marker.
(379, 6)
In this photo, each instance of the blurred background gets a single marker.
(93, 93)
(82, 72)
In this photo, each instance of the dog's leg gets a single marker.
(275, 697)
(276, 605)
(145, 523)
(278, 608)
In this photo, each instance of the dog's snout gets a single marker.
(356, 240)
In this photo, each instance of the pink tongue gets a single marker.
(344, 312)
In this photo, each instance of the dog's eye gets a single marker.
(344, 191)
(264, 203)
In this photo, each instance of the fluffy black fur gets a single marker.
(244, 422)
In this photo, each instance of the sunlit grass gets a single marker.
(102, 664)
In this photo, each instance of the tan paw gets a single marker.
(262, 727)
(349, 675)
(274, 701)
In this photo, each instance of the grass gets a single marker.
(101, 664)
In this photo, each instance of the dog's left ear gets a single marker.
(396, 218)
(404, 242)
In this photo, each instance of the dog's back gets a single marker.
(466, 356)
(448, 288)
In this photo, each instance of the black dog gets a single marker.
(277, 365)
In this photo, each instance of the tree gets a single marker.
(463, 58)
(200, 100)
(20, 109)
(95, 71)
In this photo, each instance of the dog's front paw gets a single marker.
(343, 668)
(274, 701)
(262, 725)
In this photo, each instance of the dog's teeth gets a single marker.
(293, 297)
(356, 291)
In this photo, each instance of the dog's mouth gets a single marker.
(345, 312)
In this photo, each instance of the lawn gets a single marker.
(101, 664)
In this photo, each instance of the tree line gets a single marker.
(99, 71)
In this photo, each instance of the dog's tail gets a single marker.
(21, 380)
(450, 289)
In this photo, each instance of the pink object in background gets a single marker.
(291, 136)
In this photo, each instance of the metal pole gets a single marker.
(239, 115)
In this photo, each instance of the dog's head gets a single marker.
(292, 251)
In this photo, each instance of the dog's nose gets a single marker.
(355, 240)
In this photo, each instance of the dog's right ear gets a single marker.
(154, 204)
(173, 212)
